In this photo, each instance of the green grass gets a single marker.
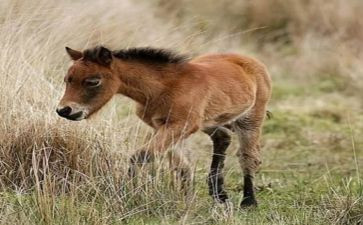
(323, 196)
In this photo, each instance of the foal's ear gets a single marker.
(104, 56)
(74, 54)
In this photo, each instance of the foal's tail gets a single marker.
(269, 114)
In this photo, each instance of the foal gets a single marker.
(177, 97)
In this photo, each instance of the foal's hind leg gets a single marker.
(221, 140)
(248, 130)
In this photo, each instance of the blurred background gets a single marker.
(312, 147)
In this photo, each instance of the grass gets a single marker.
(287, 196)
(57, 172)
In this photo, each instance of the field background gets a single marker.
(53, 171)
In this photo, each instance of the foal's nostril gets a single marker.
(65, 111)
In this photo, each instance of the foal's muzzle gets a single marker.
(66, 112)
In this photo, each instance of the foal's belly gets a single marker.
(223, 118)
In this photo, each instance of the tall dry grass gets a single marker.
(309, 38)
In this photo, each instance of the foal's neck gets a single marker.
(143, 82)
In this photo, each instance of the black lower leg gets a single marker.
(221, 141)
(248, 192)
(216, 186)
(137, 160)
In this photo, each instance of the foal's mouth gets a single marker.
(75, 116)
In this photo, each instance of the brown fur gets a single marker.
(178, 98)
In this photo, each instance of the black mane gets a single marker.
(151, 55)
(146, 54)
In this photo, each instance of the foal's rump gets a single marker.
(236, 84)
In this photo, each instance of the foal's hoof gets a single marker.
(131, 172)
(248, 203)
(141, 158)
(222, 210)
(220, 197)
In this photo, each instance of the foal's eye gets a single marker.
(92, 82)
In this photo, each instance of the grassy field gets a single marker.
(53, 171)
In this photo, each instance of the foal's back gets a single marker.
(231, 85)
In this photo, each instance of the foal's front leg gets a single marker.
(165, 136)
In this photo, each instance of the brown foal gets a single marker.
(177, 97)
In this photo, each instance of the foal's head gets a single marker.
(90, 83)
